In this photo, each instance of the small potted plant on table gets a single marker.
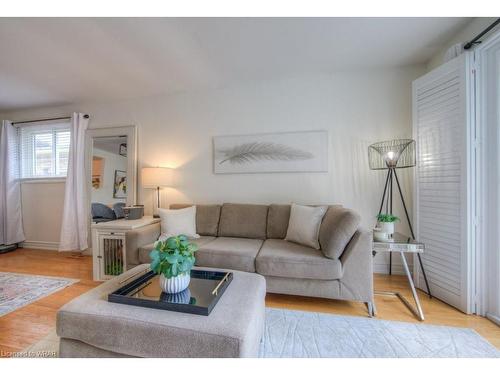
(386, 223)
(173, 259)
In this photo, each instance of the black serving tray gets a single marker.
(204, 291)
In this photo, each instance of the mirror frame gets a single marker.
(131, 133)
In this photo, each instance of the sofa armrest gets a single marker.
(139, 237)
(357, 264)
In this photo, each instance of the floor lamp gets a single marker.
(156, 177)
(391, 155)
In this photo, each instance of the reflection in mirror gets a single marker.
(109, 178)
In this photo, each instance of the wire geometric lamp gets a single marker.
(396, 153)
(390, 155)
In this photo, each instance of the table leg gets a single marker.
(425, 276)
(420, 313)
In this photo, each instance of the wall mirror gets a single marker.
(111, 171)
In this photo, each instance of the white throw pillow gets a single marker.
(176, 222)
(304, 225)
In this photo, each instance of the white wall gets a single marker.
(42, 204)
(111, 162)
(357, 108)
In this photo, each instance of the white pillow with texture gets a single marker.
(304, 225)
(177, 222)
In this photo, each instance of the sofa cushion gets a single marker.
(243, 220)
(304, 225)
(229, 252)
(146, 249)
(177, 222)
(207, 217)
(278, 217)
(281, 258)
(337, 229)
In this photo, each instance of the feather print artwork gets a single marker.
(305, 151)
(262, 151)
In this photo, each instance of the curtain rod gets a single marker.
(46, 119)
(480, 35)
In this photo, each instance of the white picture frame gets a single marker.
(305, 151)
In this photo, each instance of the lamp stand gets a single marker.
(387, 198)
(157, 215)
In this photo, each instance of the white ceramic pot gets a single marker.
(379, 235)
(175, 284)
(386, 228)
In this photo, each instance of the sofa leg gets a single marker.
(371, 309)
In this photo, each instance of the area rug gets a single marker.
(18, 290)
(304, 334)
(297, 334)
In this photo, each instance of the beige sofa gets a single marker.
(250, 238)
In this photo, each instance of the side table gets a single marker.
(109, 245)
(402, 244)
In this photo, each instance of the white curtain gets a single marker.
(11, 222)
(74, 229)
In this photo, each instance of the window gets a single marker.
(44, 150)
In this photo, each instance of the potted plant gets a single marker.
(173, 259)
(386, 223)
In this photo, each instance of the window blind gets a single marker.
(44, 150)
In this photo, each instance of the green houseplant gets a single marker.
(386, 223)
(173, 259)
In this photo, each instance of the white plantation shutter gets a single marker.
(443, 181)
(44, 150)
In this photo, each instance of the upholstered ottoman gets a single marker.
(90, 326)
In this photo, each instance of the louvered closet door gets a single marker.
(443, 186)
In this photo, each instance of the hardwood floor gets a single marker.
(29, 324)
(23, 327)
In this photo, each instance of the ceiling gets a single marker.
(56, 61)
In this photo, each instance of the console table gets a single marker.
(402, 244)
(109, 245)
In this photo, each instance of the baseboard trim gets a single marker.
(42, 245)
(495, 319)
(383, 268)
(45, 245)
(87, 252)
